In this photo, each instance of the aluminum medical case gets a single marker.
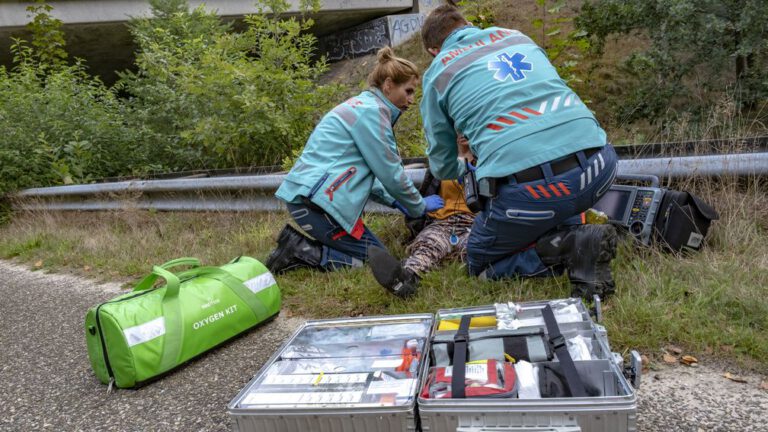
(264, 406)
(340, 376)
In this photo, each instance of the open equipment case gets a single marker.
(395, 373)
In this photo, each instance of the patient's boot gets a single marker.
(294, 250)
(390, 273)
(586, 251)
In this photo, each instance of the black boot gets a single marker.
(390, 273)
(586, 251)
(294, 250)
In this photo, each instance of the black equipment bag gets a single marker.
(682, 221)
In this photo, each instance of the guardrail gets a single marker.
(255, 193)
(632, 151)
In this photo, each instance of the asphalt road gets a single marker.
(46, 382)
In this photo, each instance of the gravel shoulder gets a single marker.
(47, 383)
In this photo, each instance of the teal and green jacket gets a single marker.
(350, 157)
(497, 87)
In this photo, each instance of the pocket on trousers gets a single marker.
(516, 214)
(607, 185)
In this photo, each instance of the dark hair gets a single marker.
(398, 69)
(439, 24)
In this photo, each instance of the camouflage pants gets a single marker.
(433, 244)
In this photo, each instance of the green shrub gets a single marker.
(59, 125)
(696, 50)
(215, 98)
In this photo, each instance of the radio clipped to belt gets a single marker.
(476, 191)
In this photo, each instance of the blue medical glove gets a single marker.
(400, 207)
(471, 167)
(433, 202)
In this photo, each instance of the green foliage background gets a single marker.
(203, 95)
(695, 52)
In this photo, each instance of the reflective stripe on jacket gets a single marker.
(499, 89)
(351, 156)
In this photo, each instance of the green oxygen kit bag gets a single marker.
(140, 335)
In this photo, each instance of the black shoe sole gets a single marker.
(603, 284)
(389, 273)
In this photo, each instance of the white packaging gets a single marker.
(527, 380)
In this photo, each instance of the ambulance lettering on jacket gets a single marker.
(340, 180)
(214, 317)
(494, 37)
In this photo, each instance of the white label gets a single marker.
(302, 398)
(402, 387)
(260, 282)
(145, 332)
(474, 372)
(388, 363)
(695, 240)
(316, 379)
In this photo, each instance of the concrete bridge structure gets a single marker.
(96, 30)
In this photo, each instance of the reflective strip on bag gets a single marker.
(260, 282)
(145, 332)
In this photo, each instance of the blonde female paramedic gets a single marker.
(350, 157)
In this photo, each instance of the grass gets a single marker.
(711, 303)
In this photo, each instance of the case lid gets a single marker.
(353, 363)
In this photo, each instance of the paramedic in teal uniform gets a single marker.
(350, 157)
(542, 157)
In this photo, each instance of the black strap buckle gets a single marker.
(557, 342)
(460, 337)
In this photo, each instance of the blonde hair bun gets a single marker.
(385, 55)
(388, 65)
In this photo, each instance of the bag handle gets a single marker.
(188, 261)
(162, 270)
(171, 281)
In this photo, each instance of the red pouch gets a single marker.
(489, 379)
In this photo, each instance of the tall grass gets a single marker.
(711, 302)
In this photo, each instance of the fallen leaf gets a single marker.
(87, 268)
(709, 351)
(688, 360)
(734, 378)
(645, 362)
(726, 348)
(39, 264)
(670, 359)
(676, 350)
(764, 385)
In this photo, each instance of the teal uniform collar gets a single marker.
(394, 112)
(457, 34)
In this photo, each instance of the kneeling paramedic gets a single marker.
(350, 156)
(542, 157)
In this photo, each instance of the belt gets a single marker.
(307, 202)
(559, 166)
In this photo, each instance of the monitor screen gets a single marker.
(614, 204)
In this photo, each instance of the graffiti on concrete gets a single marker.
(403, 27)
(357, 41)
